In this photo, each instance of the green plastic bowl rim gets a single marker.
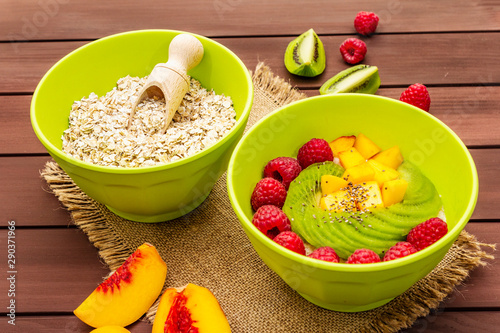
(380, 266)
(145, 169)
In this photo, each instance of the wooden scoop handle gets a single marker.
(170, 79)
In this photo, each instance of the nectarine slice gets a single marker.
(191, 309)
(128, 293)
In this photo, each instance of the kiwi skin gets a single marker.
(362, 79)
(312, 61)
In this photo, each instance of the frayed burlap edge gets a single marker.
(427, 294)
(275, 87)
(86, 215)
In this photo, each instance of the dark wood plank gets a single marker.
(478, 289)
(62, 19)
(16, 131)
(56, 270)
(437, 322)
(59, 324)
(25, 195)
(472, 112)
(400, 59)
(457, 322)
(29, 204)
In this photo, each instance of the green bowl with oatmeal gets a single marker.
(187, 170)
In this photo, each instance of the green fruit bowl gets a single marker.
(145, 194)
(423, 139)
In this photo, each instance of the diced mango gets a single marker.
(359, 173)
(366, 147)
(393, 191)
(339, 201)
(330, 184)
(391, 157)
(383, 173)
(342, 143)
(350, 158)
(371, 197)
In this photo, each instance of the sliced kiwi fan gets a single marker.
(345, 232)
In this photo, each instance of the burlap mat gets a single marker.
(209, 248)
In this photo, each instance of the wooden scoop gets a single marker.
(170, 80)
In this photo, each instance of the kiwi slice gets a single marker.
(305, 55)
(347, 231)
(363, 79)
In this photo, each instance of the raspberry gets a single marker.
(366, 23)
(291, 241)
(314, 151)
(363, 256)
(353, 50)
(268, 191)
(427, 233)
(417, 95)
(325, 253)
(399, 250)
(283, 169)
(271, 220)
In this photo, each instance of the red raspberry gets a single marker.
(399, 250)
(366, 23)
(325, 253)
(291, 241)
(271, 220)
(417, 95)
(268, 191)
(353, 50)
(314, 151)
(427, 233)
(283, 169)
(363, 256)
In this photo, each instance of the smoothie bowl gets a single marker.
(429, 148)
(147, 193)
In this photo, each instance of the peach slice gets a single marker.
(189, 309)
(128, 293)
(110, 329)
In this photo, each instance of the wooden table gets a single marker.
(450, 46)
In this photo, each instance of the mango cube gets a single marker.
(342, 143)
(391, 157)
(383, 173)
(339, 201)
(366, 147)
(370, 197)
(359, 173)
(350, 158)
(393, 191)
(330, 184)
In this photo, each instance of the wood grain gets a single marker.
(30, 204)
(400, 59)
(22, 20)
(61, 265)
(59, 323)
(472, 112)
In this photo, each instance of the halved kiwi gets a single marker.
(363, 79)
(305, 55)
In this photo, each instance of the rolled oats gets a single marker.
(98, 131)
